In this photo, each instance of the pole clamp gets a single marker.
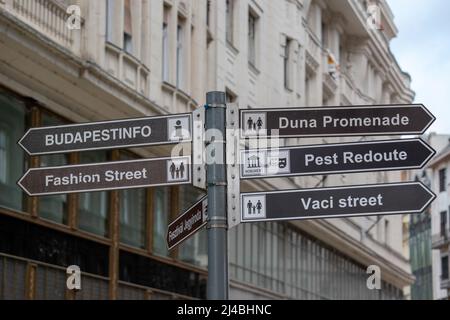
(217, 225)
(217, 184)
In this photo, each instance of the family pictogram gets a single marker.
(254, 125)
(177, 171)
(254, 208)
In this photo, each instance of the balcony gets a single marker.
(441, 239)
(329, 84)
(127, 69)
(313, 53)
(445, 283)
(48, 18)
(347, 89)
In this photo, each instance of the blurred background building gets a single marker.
(420, 238)
(134, 58)
(440, 230)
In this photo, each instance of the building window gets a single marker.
(195, 249)
(229, 21)
(252, 38)
(4, 162)
(12, 127)
(165, 45)
(444, 267)
(53, 208)
(161, 211)
(275, 257)
(132, 214)
(208, 13)
(288, 64)
(109, 20)
(324, 36)
(127, 28)
(386, 232)
(442, 180)
(93, 206)
(443, 223)
(230, 97)
(180, 54)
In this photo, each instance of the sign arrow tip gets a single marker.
(21, 185)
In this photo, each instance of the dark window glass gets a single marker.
(443, 222)
(53, 208)
(32, 241)
(444, 267)
(180, 55)
(155, 274)
(127, 27)
(12, 127)
(93, 206)
(132, 215)
(194, 249)
(286, 59)
(442, 180)
(229, 20)
(161, 212)
(252, 20)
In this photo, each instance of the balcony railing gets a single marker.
(330, 83)
(19, 276)
(49, 18)
(445, 283)
(440, 239)
(313, 52)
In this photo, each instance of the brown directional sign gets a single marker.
(335, 121)
(107, 176)
(335, 158)
(381, 199)
(187, 224)
(108, 134)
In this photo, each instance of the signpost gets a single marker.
(335, 158)
(188, 223)
(107, 176)
(335, 121)
(381, 199)
(108, 134)
(218, 177)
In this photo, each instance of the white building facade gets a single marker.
(135, 58)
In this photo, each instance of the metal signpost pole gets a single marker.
(216, 190)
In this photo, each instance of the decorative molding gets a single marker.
(330, 84)
(311, 63)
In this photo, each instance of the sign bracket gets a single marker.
(233, 167)
(198, 149)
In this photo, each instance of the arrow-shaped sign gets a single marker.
(335, 121)
(114, 134)
(107, 176)
(382, 199)
(335, 158)
(188, 223)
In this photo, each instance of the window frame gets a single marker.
(252, 37)
(442, 175)
(447, 272)
(229, 21)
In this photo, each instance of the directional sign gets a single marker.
(335, 121)
(108, 134)
(187, 224)
(107, 176)
(335, 158)
(368, 200)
